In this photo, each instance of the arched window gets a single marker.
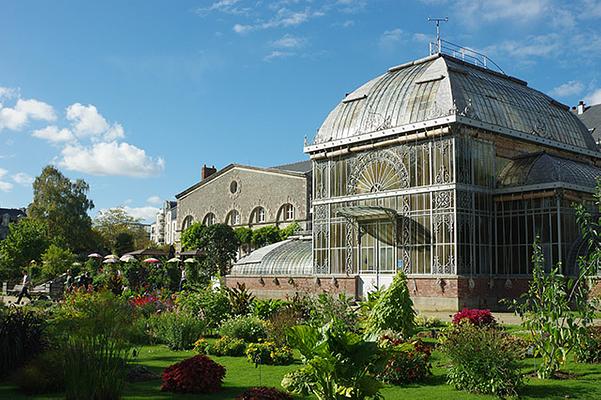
(233, 218)
(187, 222)
(209, 219)
(257, 216)
(286, 213)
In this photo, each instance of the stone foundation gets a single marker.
(444, 293)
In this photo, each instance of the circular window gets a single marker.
(234, 187)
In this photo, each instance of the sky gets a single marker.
(135, 96)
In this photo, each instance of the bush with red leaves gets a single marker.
(198, 374)
(476, 316)
(264, 393)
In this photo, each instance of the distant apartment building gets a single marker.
(163, 230)
(7, 216)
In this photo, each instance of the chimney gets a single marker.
(581, 107)
(207, 171)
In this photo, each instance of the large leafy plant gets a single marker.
(393, 310)
(337, 364)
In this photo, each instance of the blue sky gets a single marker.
(134, 96)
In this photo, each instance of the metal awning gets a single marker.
(359, 213)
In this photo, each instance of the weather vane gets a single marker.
(437, 21)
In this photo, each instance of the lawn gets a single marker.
(241, 374)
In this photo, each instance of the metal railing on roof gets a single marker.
(465, 54)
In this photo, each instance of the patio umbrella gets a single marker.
(189, 260)
(152, 260)
(110, 261)
(127, 258)
(174, 259)
(111, 256)
(76, 264)
(94, 255)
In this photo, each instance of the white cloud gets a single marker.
(23, 179)
(25, 110)
(593, 97)
(155, 200)
(8, 93)
(289, 42)
(570, 88)
(530, 47)
(111, 158)
(277, 54)
(53, 134)
(224, 6)
(86, 120)
(146, 214)
(283, 18)
(494, 10)
(392, 37)
(4, 186)
(242, 29)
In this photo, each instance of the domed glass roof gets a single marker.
(439, 88)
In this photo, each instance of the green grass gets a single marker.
(241, 374)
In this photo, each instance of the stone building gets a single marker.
(241, 195)
(590, 115)
(448, 171)
(8, 216)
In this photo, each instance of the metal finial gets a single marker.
(437, 21)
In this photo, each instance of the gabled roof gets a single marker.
(231, 167)
(441, 89)
(299, 166)
(591, 117)
(13, 212)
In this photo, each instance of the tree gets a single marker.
(244, 235)
(120, 231)
(218, 242)
(64, 206)
(265, 235)
(26, 241)
(56, 261)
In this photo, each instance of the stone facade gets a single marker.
(237, 194)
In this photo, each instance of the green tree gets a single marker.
(265, 235)
(26, 241)
(64, 206)
(56, 261)
(120, 231)
(218, 242)
(244, 235)
(290, 230)
(393, 309)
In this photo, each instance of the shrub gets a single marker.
(44, 374)
(95, 368)
(94, 314)
(224, 346)
(264, 309)
(393, 309)
(240, 299)
(475, 316)
(482, 360)
(212, 306)
(178, 330)
(248, 328)
(589, 350)
(429, 322)
(280, 322)
(326, 308)
(264, 393)
(21, 338)
(408, 362)
(269, 353)
(56, 261)
(198, 374)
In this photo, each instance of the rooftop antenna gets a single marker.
(437, 21)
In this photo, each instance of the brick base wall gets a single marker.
(446, 293)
